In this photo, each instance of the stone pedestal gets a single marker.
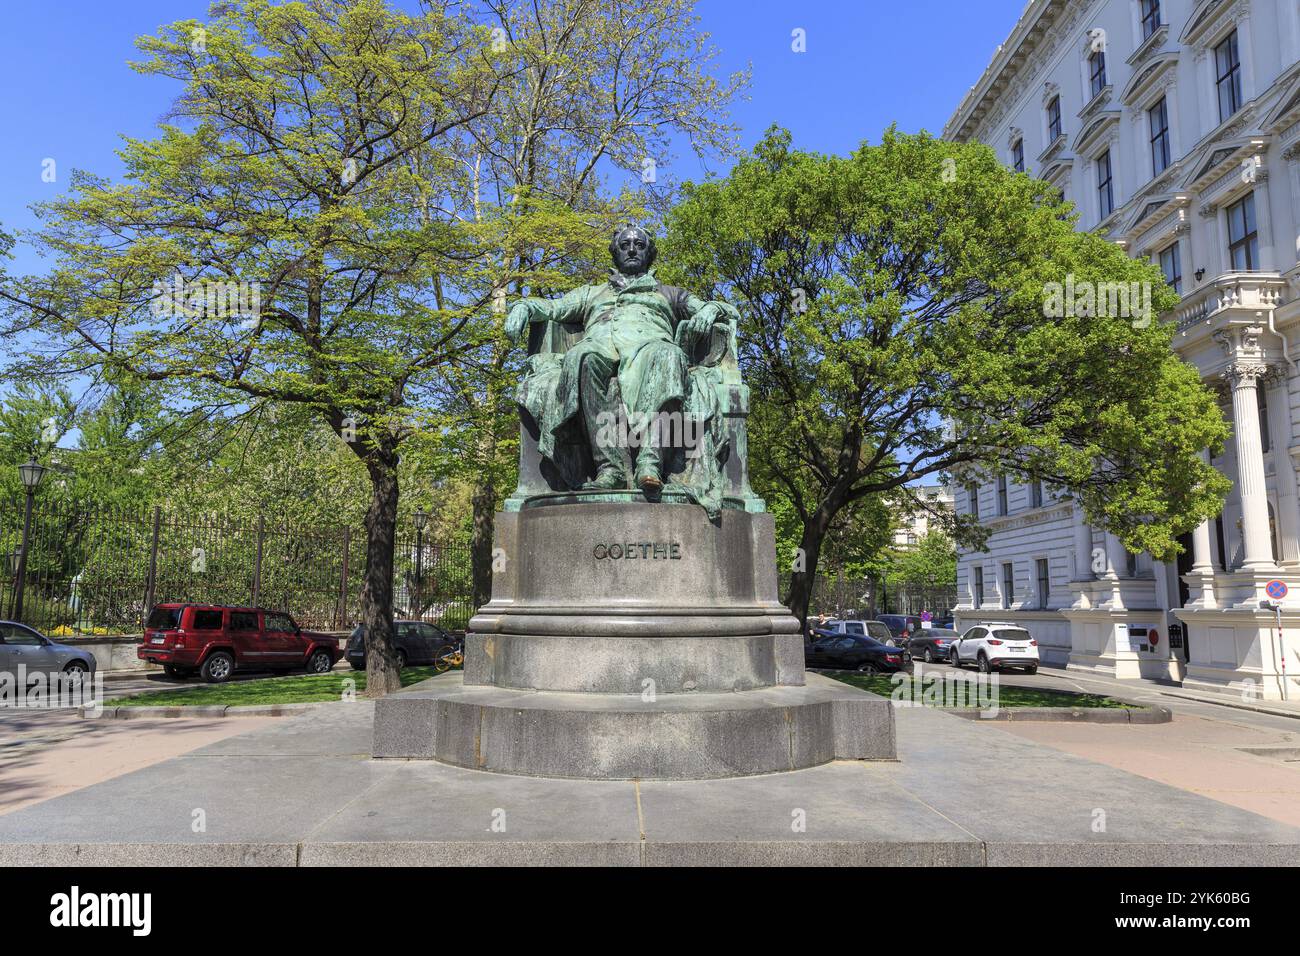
(626, 639)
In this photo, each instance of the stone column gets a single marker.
(1292, 157)
(1214, 253)
(1288, 497)
(1116, 557)
(1264, 217)
(1244, 377)
(1082, 545)
(1204, 71)
(1246, 54)
(1201, 576)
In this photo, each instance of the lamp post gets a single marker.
(31, 474)
(421, 519)
(13, 579)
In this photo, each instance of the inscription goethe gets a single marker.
(639, 550)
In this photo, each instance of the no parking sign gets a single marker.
(1276, 589)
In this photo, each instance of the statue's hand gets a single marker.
(700, 325)
(517, 321)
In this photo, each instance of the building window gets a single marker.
(1243, 240)
(1002, 494)
(1044, 583)
(1171, 264)
(1008, 584)
(1159, 117)
(978, 597)
(1035, 494)
(1150, 18)
(1261, 403)
(1105, 189)
(1097, 71)
(1054, 119)
(1018, 155)
(973, 496)
(1227, 64)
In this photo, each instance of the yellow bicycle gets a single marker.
(447, 658)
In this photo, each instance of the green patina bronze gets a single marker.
(632, 385)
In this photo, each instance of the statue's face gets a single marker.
(632, 252)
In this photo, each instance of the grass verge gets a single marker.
(299, 689)
(886, 685)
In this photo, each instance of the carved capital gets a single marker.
(1245, 374)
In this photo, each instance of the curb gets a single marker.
(1235, 704)
(206, 710)
(1082, 715)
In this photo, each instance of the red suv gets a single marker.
(216, 641)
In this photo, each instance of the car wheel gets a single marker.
(929, 656)
(1032, 670)
(401, 658)
(953, 659)
(868, 667)
(358, 667)
(983, 663)
(217, 668)
(319, 663)
(76, 668)
(171, 670)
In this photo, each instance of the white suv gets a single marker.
(994, 645)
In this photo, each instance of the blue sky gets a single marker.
(70, 95)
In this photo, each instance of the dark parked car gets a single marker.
(872, 629)
(214, 641)
(19, 644)
(417, 643)
(898, 623)
(931, 643)
(855, 653)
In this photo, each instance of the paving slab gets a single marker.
(303, 791)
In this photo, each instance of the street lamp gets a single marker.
(421, 519)
(31, 473)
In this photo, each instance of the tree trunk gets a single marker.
(810, 546)
(382, 676)
(485, 502)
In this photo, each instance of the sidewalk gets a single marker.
(1148, 691)
(303, 791)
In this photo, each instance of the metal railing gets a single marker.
(96, 570)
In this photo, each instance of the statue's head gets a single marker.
(633, 250)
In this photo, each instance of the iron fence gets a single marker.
(93, 569)
(838, 594)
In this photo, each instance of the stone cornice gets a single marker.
(1033, 516)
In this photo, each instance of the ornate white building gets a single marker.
(1174, 127)
(915, 523)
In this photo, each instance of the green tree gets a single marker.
(896, 327)
(932, 563)
(291, 192)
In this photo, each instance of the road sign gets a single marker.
(1276, 589)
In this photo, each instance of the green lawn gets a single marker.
(1008, 696)
(301, 689)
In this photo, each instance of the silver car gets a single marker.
(19, 644)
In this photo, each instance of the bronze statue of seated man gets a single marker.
(632, 363)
